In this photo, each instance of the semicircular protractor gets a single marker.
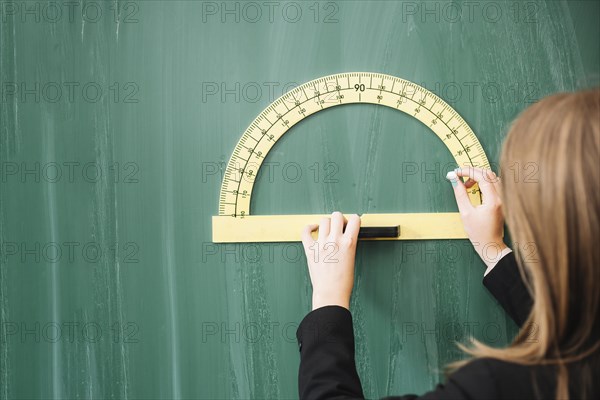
(235, 222)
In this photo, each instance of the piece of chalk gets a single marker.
(451, 175)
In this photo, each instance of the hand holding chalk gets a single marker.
(483, 224)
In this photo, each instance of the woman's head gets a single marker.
(550, 189)
(551, 200)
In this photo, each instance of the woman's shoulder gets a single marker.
(494, 378)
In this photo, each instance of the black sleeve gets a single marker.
(326, 341)
(505, 284)
(328, 371)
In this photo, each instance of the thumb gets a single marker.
(460, 192)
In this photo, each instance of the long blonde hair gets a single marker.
(550, 190)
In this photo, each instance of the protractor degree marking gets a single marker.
(421, 104)
(415, 102)
(418, 103)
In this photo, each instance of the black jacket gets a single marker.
(327, 368)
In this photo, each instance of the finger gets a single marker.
(337, 223)
(478, 174)
(307, 239)
(486, 179)
(353, 227)
(498, 186)
(460, 192)
(324, 228)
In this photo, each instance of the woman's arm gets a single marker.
(327, 367)
(325, 335)
(484, 225)
(505, 284)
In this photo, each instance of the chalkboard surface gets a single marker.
(117, 120)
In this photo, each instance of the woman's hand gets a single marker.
(331, 259)
(483, 224)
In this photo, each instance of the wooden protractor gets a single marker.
(235, 224)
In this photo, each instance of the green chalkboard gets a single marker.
(117, 120)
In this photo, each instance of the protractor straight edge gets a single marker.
(235, 223)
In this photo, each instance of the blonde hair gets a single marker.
(550, 190)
